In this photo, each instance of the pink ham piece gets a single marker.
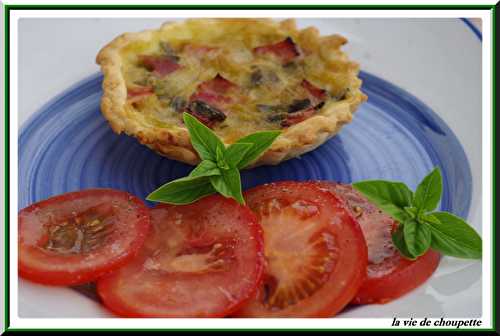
(137, 93)
(218, 85)
(295, 118)
(285, 50)
(213, 92)
(211, 98)
(313, 90)
(160, 65)
(317, 97)
(209, 101)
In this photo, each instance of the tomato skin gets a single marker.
(407, 276)
(350, 263)
(392, 276)
(110, 288)
(31, 258)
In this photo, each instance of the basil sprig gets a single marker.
(419, 227)
(219, 170)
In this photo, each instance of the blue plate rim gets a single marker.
(473, 28)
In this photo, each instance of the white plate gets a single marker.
(437, 60)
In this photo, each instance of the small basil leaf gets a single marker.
(430, 219)
(412, 211)
(429, 191)
(452, 236)
(261, 141)
(399, 242)
(390, 197)
(203, 139)
(182, 191)
(417, 237)
(205, 168)
(228, 184)
(221, 161)
(236, 152)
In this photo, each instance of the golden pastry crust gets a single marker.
(173, 141)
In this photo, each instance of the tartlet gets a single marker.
(237, 76)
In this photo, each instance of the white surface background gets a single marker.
(55, 53)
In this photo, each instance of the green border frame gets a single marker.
(6, 167)
(7, 8)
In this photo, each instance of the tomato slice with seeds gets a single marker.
(200, 260)
(389, 275)
(315, 252)
(77, 237)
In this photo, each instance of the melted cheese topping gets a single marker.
(265, 89)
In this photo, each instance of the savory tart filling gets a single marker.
(237, 80)
(237, 76)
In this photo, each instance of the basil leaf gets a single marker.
(412, 211)
(391, 197)
(452, 236)
(236, 152)
(430, 219)
(182, 191)
(261, 141)
(218, 171)
(228, 184)
(399, 242)
(221, 160)
(205, 168)
(417, 237)
(429, 191)
(203, 139)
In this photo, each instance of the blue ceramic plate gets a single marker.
(69, 146)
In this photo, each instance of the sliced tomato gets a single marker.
(389, 275)
(315, 252)
(200, 260)
(77, 237)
